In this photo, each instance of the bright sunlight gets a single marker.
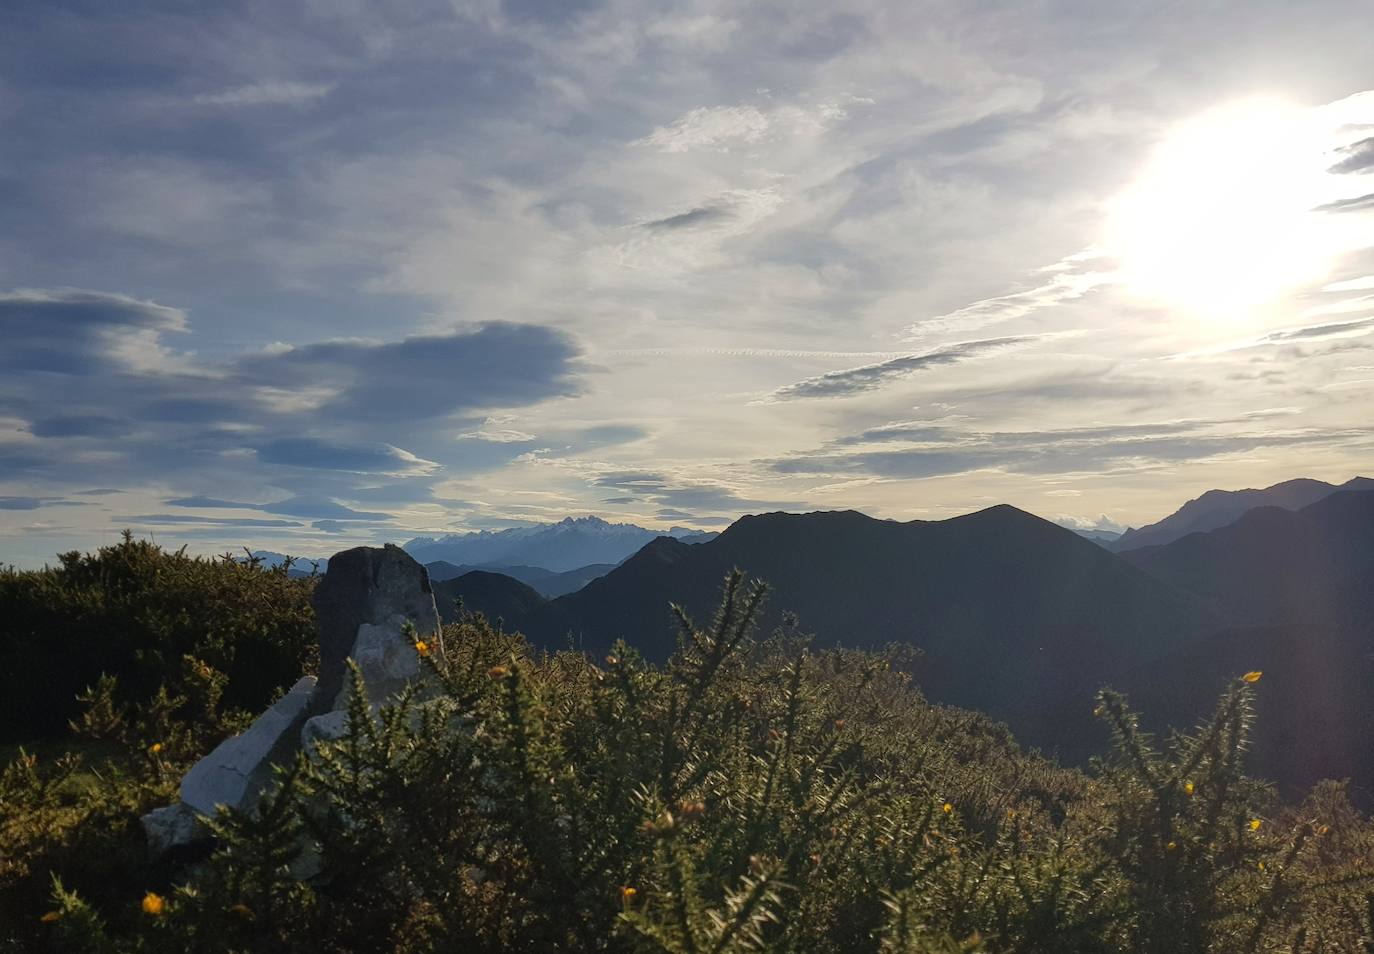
(1222, 221)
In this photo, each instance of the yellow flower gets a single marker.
(422, 647)
(153, 904)
(1255, 824)
(1253, 675)
(51, 917)
(1187, 788)
(948, 808)
(498, 672)
(1323, 829)
(627, 894)
(1261, 866)
(155, 748)
(243, 911)
(1171, 846)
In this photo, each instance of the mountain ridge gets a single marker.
(1218, 508)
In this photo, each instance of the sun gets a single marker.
(1222, 219)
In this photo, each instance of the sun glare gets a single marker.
(1222, 220)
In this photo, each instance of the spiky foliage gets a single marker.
(752, 795)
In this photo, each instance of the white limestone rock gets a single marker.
(386, 658)
(239, 769)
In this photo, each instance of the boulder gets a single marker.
(382, 589)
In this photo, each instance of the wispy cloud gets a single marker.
(1070, 279)
(839, 384)
(266, 93)
(722, 128)
(1338, 329)
(1357, 157)
(1092, 450)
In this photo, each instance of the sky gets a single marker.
(309, 275)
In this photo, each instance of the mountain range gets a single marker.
(1024, 619)
(1217, 508)
(570, 544)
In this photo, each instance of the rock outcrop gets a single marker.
(362, 606)
(378, 588)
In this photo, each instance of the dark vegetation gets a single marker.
(152, 621)
(756, 791)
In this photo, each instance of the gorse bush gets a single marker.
(149, 620)
(751, 795)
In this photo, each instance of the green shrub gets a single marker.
(750, 795)
(136, 613)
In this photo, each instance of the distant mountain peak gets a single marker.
(1219, 508)
(568, 544)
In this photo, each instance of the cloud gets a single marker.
(497, 431)
(358, 410)
(208, 503)
(1101, 522)
(350, 457)
(178, 519)
(1084, 450)
(1355, 204)
(1333, 329)
(309, 507)
(80, 425)
(726, 128)
(871, 377)
(682, 494)
(497, 364)
(1070, 279)
(76, 331)
(20, 503)
(710, 127)
(267, 93)
(1359, 157)
(703, 215)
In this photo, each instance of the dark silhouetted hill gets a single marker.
(494, 595)
(1011, 611)
(546, 582)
